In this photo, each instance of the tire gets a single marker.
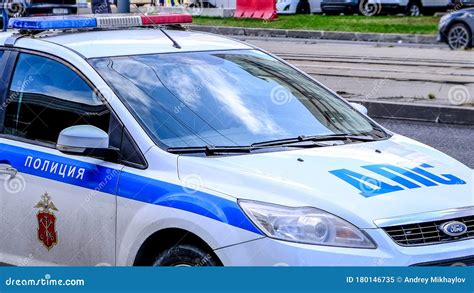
(185, 255)
(303, 7)
(197, 4)
(459, 37)
(413, 9)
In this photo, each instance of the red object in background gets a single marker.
(167, 18)
(261, 9)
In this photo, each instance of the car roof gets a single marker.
(136, 41)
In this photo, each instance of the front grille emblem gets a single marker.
(453, 228)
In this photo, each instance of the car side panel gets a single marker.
(137, 221)
(155, 199)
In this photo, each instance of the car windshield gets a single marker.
(226, 98)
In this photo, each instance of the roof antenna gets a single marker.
(175, 43)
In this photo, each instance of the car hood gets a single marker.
(312, 177)
(462, 11)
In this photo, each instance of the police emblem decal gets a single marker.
(47, 234)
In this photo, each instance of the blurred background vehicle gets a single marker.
(19, 8)
(408, 7)
(456, 29)
(138, 3)
(210, 3)
(141, 3)
(298, 6)
(334, 7)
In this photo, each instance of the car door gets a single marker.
(4, 79)
(435, 3)
(55, 208)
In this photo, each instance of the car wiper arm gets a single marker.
(313, 138)
(212, 150)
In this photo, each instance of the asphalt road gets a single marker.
(422, 74)
(454, 140)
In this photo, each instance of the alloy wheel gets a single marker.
(458, 37)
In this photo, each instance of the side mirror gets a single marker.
(77, 139)
(359, 107)
(86, 140)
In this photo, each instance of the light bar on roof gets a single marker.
(96, 21)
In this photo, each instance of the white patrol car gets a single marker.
(143, 146)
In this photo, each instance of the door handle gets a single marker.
(8, 170)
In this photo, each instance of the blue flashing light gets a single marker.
(55, 22)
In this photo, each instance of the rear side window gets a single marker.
(46, 96)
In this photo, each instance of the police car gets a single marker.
(127, 143)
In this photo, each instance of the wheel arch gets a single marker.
(166, 238)
(419, 2)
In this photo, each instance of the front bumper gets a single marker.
(342, 7)
(284, 8)
(442, 33)
(270, 252)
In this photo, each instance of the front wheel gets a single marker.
(459, 37)
(413, 9)
(185, 255)
(303, 7)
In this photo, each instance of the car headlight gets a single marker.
(305, 225)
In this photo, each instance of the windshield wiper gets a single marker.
(212, 150)
(313, 138)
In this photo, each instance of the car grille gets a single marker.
(428, 232)
(57, 2)
(464, 261)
